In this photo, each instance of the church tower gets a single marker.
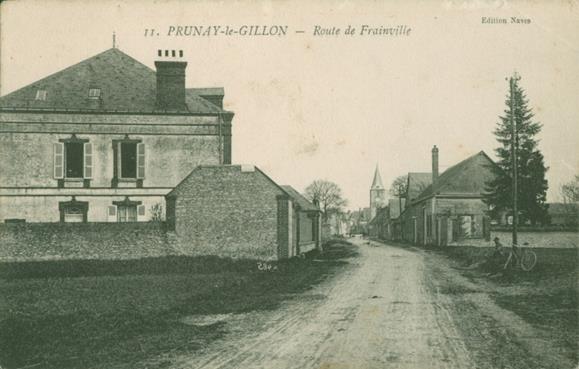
(377, 194)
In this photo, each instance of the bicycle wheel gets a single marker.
(528, 260)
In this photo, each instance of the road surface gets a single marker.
(390, 308)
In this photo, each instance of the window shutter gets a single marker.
(141, 212)
(59, 160)
(87, 160)
(141, 161)
(112, 213)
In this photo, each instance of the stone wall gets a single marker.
(535, 239)
(103, 241)
(222, 210)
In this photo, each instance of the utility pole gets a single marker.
(514, 143)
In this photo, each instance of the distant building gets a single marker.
(377, 194)
(384, 224)
(563, 214)
(451, 207)
(106, 139)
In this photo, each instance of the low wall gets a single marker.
(562, 240)
(548, 259)
(104, 241)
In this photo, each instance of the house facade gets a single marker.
(451, 208)
(106, 139)
(237, 211)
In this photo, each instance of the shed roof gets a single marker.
(126, 85)
(417, 182)
(469, 177)
(299, 199)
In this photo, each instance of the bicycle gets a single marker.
(524, 258)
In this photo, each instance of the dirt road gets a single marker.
(388, 309)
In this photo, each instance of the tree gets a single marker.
(570, 191)
(398, 189)
(329, 196)
(532, 184)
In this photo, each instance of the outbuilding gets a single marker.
(238, 211)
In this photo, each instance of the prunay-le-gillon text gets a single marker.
(277, 31)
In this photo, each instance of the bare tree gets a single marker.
(328, 194)
(398, 188)
(570, 191)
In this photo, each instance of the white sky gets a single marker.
(309, 107)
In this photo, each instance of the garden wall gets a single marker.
(104, 241)
(535, 239)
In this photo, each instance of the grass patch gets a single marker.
(545, 297)
(555, 312)
(122, 314)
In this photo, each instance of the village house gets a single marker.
(451, 208)
(385, 225)
(106, 139)
(238, 211)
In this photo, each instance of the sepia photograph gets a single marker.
(289, 184)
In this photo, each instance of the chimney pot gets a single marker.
(434, 164)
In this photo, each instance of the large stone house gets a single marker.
(451, 208)
(106, 139)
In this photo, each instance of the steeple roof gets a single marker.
(377, 182)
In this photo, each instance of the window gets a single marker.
(466, 226)
(128, 160)
(73, 215)
(94, 93)
(73, 211)
(73, 159)
(127, 213)
(40, 95)
(74, 152)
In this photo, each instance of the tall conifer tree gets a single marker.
(532, 185)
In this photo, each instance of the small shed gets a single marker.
(238, 211)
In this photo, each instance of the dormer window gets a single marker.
(94, 93)
(40, 95)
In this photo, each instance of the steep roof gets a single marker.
(417, 182)
(299, 199)
(469, 177)
(125, 84)
(377, 182)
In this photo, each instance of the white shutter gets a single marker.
(140, 160)
(59, 160)
(112, 213)
(87, 160)
(141, 213)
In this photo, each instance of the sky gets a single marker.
(310, 107)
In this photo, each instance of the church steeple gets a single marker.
(377, 193)
(377, 182)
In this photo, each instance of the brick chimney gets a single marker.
(434, 164)
(170, 80)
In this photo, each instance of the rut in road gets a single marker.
(377, 314)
